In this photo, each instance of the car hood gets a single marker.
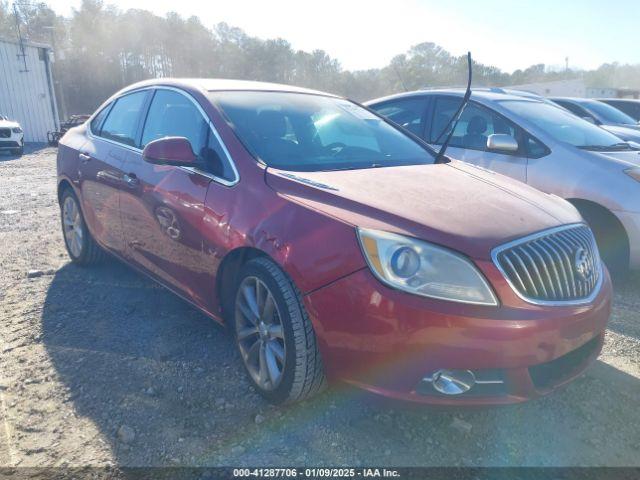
(628, 157)
(8, 124)
(624, 132)
(455, 204)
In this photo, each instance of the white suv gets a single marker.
(11, 136)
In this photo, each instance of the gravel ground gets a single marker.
(103, 367)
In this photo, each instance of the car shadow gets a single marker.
(626, 302)
(132, 354)
(29, 148)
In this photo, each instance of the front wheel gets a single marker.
(275, 336)
(18, 151)
(81, 247)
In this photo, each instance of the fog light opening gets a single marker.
(453, 382)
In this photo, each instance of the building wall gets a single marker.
(559, 88)
(28, 97)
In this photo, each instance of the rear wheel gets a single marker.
(81, 247)
(274, 335)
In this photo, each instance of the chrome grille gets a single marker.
(558, 265)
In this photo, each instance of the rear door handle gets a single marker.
(84, 157)
(131, 180)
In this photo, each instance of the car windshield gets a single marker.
(607, 113)
(564, 126)
(305, 132)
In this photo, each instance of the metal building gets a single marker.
(26, 88)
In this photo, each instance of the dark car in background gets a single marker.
(603, 115)
(334, 245)
(628, 106)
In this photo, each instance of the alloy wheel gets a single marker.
(72, 226)
(260, 333)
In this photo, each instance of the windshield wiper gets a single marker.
(453, 123)
(608, 148)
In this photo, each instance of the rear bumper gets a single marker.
(387, 342)
(631, 223)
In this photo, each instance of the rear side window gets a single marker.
(122, 121)
(408, 113)
(475, 125)
(172, 114)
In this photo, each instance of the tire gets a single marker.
(18, 151)
(611, 240)
(302, 374)
(86, 252)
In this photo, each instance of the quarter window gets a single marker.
(475, 125)
(96, 123)
(121, 124)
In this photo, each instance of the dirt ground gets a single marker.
(103, 367)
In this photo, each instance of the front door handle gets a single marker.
(131, 180)
(84, 158)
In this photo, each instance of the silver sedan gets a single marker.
(529, 138)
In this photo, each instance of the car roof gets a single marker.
(575, 99)
(219, 84)
(632, 100)
(477, 93)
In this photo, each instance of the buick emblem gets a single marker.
(582, 265)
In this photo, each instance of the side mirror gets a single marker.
(501, 142)
(175, 151)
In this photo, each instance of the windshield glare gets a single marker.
(561, 124)
(608, 113)
(304, 132)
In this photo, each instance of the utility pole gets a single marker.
(566, 63)
(56, 71)
(16, 14)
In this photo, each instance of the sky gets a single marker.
(509, 34)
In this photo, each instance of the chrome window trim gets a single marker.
(559, 303)
(220, 180)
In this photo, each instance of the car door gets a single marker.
(162, 208)
(469, 140)
(101, 158)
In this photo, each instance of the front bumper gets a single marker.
(386, 341)
(631, 223)
(11, 143)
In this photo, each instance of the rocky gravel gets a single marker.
(103, 367)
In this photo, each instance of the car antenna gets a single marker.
(453, 123)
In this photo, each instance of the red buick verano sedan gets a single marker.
(334, 244)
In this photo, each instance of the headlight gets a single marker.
(633, 173)
(424, 269)
(16, 130)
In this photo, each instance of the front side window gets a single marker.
(122, 121)
(172, 114)
(408, 113)
(303, 132)
(475, 125)
(562, 125)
